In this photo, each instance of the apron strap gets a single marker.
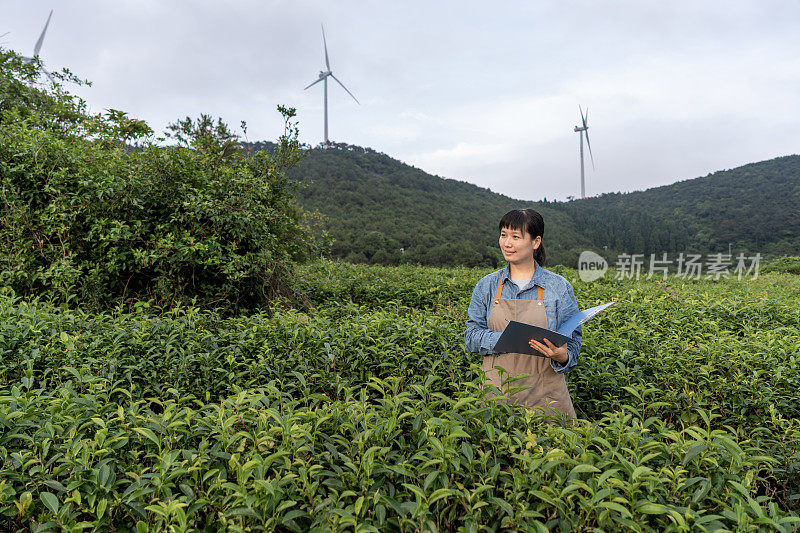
(499, 292)
(539, 293)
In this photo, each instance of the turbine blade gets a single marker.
(583, 118)
(325, 44)
(589, 144)
(316, 82)
(41, 37)
(345, 88)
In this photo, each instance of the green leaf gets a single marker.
(430, 478)
(53, 484)
(101, 508)
(439, 494)
(581, 468)
(148, 433)
(50, 501)
(103, 475)
(502, 504)
(693, 452)
(651, 508)
(616, 507)
(358, 504)
(638, 471)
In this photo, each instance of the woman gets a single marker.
(525, 291)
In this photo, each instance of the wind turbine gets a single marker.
(38, 47)
(323, 77)
(582, 129)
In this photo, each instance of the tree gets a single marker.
(88, 220)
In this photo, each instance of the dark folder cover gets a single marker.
(516, 336)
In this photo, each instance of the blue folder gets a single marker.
(516, 336)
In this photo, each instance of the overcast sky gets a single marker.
(477, 91)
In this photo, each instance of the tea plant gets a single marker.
(381, 458)
(365, 412)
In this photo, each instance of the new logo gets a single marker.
(591, 266)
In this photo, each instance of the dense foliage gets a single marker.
(379, 210)
(788, 264)
(754, 207)
(382, 211)
(87, 220)
(366, 413)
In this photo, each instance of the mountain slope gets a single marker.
(381, 210)
(755, 207)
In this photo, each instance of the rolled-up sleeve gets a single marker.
(478, 337)
(569, 307)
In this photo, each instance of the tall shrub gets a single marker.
(93, 211)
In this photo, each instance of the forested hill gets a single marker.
(755, 207)
(380, 210)
(383, 211)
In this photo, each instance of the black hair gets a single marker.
(528, 221)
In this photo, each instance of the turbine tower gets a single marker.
(584, 128)
(323, 77)
(38, 47)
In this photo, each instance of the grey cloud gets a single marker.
(675, 89)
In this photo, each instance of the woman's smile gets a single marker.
(514, 242)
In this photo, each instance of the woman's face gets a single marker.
(517, 245)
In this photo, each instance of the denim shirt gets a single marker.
(559, 304)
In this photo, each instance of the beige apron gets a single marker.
(548, 390)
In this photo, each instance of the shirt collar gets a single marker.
(538, 275)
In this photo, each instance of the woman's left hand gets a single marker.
(558, 354)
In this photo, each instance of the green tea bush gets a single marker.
(207, 355)
(421, 288)
(729, 347)
(696, 365)
(379, 459)
(367, 412)
(668, 347)
(788, 264)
